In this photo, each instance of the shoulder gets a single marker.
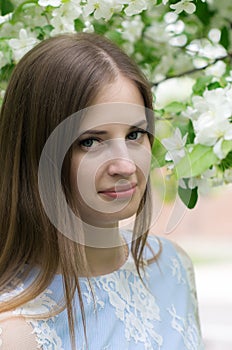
(171, 281)
(167, 249)
(174, 263)
(16, 333)
(170, 256)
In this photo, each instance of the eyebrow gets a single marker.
(104, 132)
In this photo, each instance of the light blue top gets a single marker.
(128, 315)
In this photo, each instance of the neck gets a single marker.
(107, 251)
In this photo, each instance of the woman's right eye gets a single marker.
(89, 143)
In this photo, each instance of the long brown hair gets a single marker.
(57, 78)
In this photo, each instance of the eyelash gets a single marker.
(81, 142)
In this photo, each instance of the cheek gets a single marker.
(142, 159)
(84, 176)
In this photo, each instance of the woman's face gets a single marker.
(111, 158)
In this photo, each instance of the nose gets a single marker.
(121, 166)
(121, 162)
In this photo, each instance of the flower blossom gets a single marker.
(202, 181)
(64, 16)
(135, 7)
(103, 8)
(5, 18)
(3, 60)
(214, 35)
(184, 5)
(204, 48)
(211, 115)
(54, 3)
(175, 146)
(217, 70)
(132, 29)
(2, 93)
(174, 89)
(228, 176)
(22, 45)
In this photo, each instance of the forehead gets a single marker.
(111, 113)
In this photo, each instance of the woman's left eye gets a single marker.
(90, 143)
(136, 135)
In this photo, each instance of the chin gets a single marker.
(123, 214)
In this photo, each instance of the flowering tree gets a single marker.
(184, 48)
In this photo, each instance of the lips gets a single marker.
(120, 191)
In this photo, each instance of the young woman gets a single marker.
(76, 131)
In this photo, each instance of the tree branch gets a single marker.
(191, 71)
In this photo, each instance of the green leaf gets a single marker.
(188, 196)
(213, 86)
(79, 25)
(175, 107)
(201, 84)
(6, 7)
(226, 163)
(158, 154)
(225, 38)
(43, 32)
(5, 72)
(115, 36)
(196, 162)
(226, 146)
(191, 133)
(18, 12)
(100, 28)
(203, 12)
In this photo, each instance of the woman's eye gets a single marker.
(135, 135)
(89, 143)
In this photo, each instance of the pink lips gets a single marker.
(120, 191)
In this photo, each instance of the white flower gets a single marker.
(103, 9)
(179, 40)
(132, 29)
(217, 70)
(214, 35)
(63, 17)
(200, 62)
(175, 146)
(217, 148)
(229, 77)
(22, 45)
(202, 181)
(205, 48)
(89, 28)
(2, 93)
(210, 117)
(184, 5)
(157, 32)
(3, 59)
(135, 7)
(228, 176)
(209, 129)
(175, 89)
(5, 18)
(54, 3)
(215, 101)
(213, 51)
(170, 17)
(176, 28)
(228, 94)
